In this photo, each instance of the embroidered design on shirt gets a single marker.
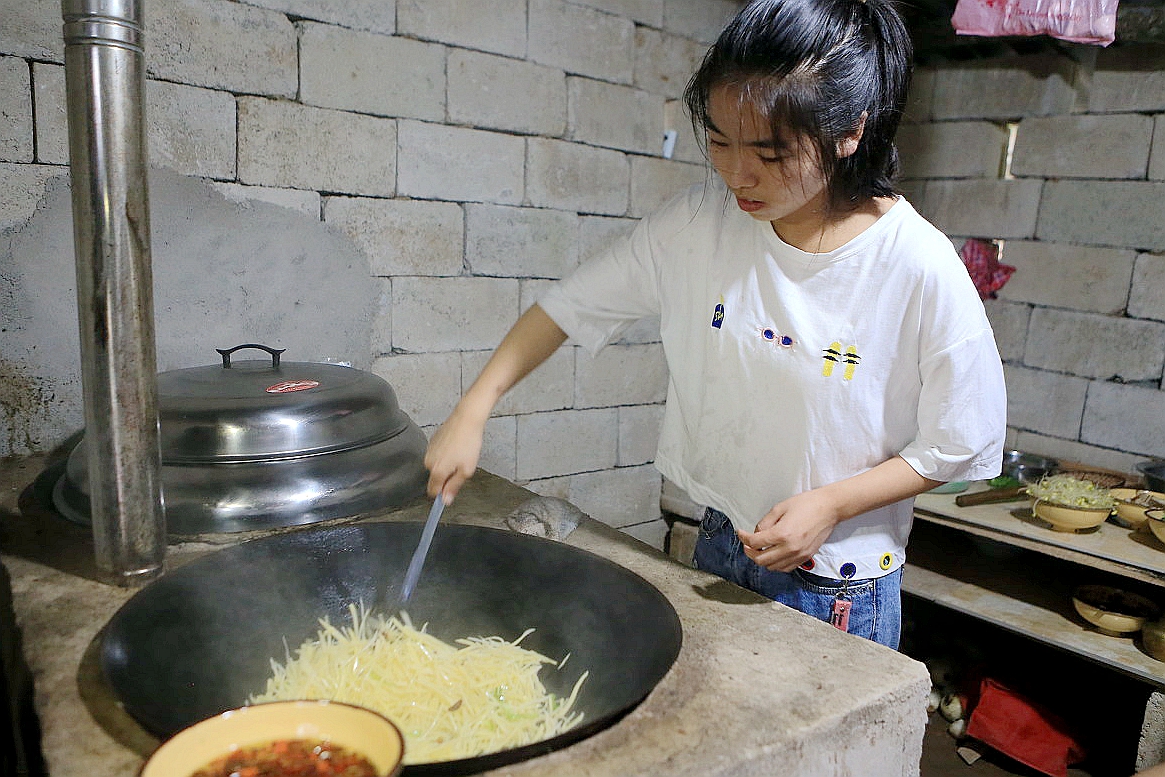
(775, 337)
(887, 560)
(718, 314)
(834, 355)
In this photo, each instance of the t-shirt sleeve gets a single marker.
(962, 412)
(608, 293)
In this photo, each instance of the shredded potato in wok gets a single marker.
(450, 702)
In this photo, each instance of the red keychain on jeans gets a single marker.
(842, 604)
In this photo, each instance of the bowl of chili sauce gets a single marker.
(288, 739)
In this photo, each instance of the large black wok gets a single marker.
(199, 640)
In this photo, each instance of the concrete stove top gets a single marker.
(757, 689)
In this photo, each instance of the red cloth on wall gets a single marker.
(1023, 730)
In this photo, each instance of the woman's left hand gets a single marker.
(792, 531)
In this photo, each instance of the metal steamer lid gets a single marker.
(259, 410)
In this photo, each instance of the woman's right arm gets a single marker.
(454, 451)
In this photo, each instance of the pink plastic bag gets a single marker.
(1079, 21)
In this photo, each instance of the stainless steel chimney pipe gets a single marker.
(105, 86)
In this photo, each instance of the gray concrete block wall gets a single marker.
(469, 152)
(1077, 207)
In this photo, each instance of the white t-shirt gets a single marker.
(791, 370)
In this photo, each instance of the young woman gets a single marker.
(829, 356)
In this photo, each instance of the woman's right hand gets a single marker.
(453, 453)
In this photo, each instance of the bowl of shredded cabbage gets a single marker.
(1070, 503)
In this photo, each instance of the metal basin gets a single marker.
(199, 640)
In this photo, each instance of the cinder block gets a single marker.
(595, 233)
(499, 93)
(32, 30)
(573, 176)
(1095, 346)
(371, 73)
(1009, 323)
(614, 116)
(653, 533)
(191, 130)
(494, 25)
(700, 20)
(451, 314)
(301, 147)
(52, 124)
(920, 102)
(623, 497)
(567, 442)
(1045, 402)
(621, 375)
(372, 15)
(952, 149)
(664, 62)
(1083, 146)
(549, 387)
(654, 181)
(427, 385)
(688, 146)
(1005, 88)
(1083, 278)
(381, 341)
(984, 208)
(16, 126)
(499, 447)
(455, 163)
(402, 237)
(1128, 80)
(1157, 151)
(1073, 450)
(520, 242)
(306, 202)
(1125, 417)
(649, 12)
(581, 40)
(1147, 295)
(222, 46)
(1126, 214)
(24, 186)
(639, 434)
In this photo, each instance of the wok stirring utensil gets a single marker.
(418, 560)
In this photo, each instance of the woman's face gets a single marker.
(774, 179)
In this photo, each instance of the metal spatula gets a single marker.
(418, 560)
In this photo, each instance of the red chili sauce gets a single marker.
(290, 758)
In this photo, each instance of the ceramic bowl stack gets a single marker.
(1113, 611)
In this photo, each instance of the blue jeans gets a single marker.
(877, 602)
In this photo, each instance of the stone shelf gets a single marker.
(1002, 565)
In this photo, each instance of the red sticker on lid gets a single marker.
(288, 386)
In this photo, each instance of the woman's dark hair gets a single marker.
(813, 68)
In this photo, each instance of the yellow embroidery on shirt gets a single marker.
(833, 355)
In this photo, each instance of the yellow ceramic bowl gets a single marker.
(1133, 503)
(1065, 518)
(1113, 611)
(354, 728)
(1156, 523)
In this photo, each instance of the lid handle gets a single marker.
(226, 353)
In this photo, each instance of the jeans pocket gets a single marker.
(712, 522)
